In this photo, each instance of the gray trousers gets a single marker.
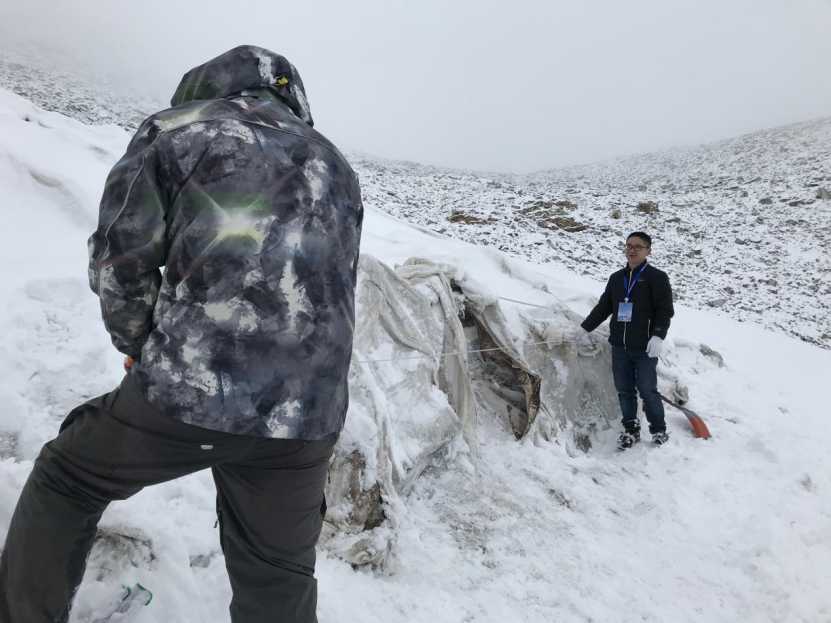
(269, 499)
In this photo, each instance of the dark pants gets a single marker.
(632, 370)
(269, 496)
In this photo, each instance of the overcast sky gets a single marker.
(510, 86)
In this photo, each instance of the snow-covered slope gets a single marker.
(741, 225)
(734, 528)
(51, 81)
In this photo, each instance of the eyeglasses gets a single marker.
(635, 247)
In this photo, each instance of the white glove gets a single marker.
(586, 347)
(653, 348)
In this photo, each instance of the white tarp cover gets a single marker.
(410, 407)
(403, 412)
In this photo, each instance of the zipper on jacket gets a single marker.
(631, 272)
(648, 330)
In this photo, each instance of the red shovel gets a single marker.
(700, 428)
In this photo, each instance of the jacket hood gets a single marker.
(245, 67)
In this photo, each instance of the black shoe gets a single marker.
(660, 438)
(629, 438)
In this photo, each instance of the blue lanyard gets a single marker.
(629, 286)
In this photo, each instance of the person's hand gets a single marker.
(653, 348)
(585, 345)
(128, 363)
(578, 334)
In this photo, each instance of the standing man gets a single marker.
(241, 347)
(639, 299)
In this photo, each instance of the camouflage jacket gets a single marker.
(256, 219)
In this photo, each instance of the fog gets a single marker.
(503, 86)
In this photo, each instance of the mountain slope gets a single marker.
(737, 224)
(734, 528)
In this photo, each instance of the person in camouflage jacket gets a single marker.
(242, 345)
(256, 218)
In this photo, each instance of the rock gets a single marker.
(8, 445)
(118, 548)
(616, 214)
(766, 201)
(458, 216)
(823, 194)
(744, 193)
(796, 204)
(740, 241)
(553, 215)
(679, 393)
(202, 561)
(564, 223)
(729, 290)
(717, 302)
(760, 220)
(771, 282)
(642, 187)
(712, 354)
(647, 207)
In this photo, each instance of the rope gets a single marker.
(464, 352)
(502, 298)
(459, 352)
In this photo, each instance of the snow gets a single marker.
(734, 528)
(738, 221)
